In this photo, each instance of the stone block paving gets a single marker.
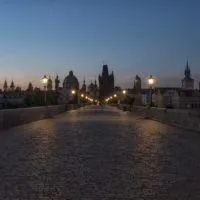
(99, 153)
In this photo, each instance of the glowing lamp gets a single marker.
(124, 91)
(151, 80)
(44, 79)
(73, 92)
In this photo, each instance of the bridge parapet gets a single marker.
(19, 116)
(188, 119)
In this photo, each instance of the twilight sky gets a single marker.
(141, 37)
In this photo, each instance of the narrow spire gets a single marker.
(5, 86)
(187, 64)
(187, 70)
(12, 85)
(83, 80)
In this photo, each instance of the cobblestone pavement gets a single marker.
(99, 153)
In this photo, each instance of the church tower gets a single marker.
(5, 86)
(106, 83)
(137, 84)
(83, 89)
(12, 86)
(187, 81)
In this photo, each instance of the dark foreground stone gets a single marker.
(99, 153)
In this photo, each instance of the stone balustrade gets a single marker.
(14, 117)
(188, 119)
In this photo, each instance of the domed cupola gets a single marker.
(71, 82)
(91, 87)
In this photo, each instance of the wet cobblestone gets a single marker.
(99, 153)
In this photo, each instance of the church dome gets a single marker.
(71, 81)
(91, 85)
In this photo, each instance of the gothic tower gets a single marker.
(106, 83)
(12, 86)
(5, 86)
(83, 89)
(187, 81)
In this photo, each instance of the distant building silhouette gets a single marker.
(12, 86)
(184, 97)
(5, 86)
(106, 83)
(71, 82)
(18, 89)
(93, 90)
(187, 81)
(83, 88)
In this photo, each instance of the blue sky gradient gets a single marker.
(134, 37)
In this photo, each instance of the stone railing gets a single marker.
(188, 119)
(73, 106)
(14, 117)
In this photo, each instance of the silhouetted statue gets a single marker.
(30, 87)
(57, 82)
(137, 84)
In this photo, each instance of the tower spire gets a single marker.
(5, 86)
(187, 70)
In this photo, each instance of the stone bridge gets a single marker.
(99, 153)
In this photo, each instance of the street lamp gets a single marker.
(73, 92)
(124, 91)
(151, 81)
(74, 96)
(44, 81)
(123, 96)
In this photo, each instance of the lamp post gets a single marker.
(76, 94)
(123, 93)
(44, 81)
(151, 81)
(73, 93)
